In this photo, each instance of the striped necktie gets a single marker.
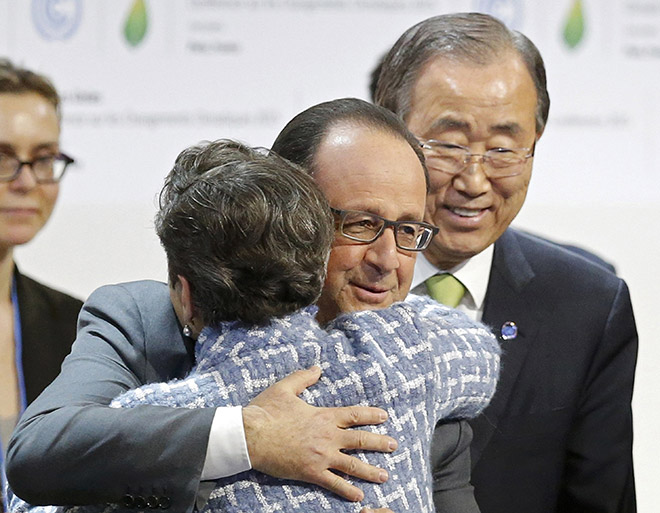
(446, 289)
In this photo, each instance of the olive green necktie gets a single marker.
(445, 289)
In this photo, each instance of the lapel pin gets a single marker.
(509, 330)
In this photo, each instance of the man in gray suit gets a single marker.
(70, 448)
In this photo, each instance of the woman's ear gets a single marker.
(181, 297)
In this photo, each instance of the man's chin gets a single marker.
(361, 299)
(445, 254)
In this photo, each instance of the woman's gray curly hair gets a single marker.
(250, 231)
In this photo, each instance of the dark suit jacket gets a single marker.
(557, 436)
(128, 336)
(48, 328)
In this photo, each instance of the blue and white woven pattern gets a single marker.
(418, 360)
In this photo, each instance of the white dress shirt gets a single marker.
(227, 453)
(473, 274)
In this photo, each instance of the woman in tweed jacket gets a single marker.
(268, 247)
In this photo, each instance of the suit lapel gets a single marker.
(506, 301)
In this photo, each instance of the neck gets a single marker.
(442, 261)
(6, 272)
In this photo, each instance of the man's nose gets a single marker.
(383, 253)
(472, 180)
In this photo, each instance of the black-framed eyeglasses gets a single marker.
(452, 159)
(367, 227)
(48, 169)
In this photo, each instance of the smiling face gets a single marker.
(29, 129)
(371, 170)
(482, 108)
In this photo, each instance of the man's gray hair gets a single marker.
(474, 38)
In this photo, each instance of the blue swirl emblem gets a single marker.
(510, 12)
(56, 19)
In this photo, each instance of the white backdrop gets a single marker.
(142, 79)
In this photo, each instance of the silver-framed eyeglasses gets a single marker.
(367, 227)
(48, 169)
(452, 159)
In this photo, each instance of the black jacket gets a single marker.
(557, 436)
(48, 328)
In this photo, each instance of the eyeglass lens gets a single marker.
(454, 159)
(46, 169)
(364, 227)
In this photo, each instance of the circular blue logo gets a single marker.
(509, 330)
(56, 19)
(509, 12)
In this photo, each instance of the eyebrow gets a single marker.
(404, 217)
(448, 123)
(10, 148)
(444, 124)
(510, 128)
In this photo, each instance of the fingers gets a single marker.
(357, 468)
(348, 416)
(300, 380)
(290, 439)
(340, 486)
(367, 441)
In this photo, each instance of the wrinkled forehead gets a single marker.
(494, 98)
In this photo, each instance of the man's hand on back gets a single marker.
(288, 438)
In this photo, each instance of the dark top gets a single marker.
(557, 436)
(48, 328)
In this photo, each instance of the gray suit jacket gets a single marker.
(71, 448)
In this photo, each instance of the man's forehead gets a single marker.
(498, 98)
(373, 172)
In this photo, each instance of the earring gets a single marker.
(187, 331)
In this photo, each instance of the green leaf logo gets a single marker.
(136, 24)
(574, 28)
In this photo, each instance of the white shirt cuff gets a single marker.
(227, 452)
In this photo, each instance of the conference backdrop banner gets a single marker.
(143, 79)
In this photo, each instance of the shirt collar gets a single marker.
(473, 273)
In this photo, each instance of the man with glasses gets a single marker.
(365, 164)
(37, 323)
(557, 436)
(371, 170)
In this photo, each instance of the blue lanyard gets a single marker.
(18, 355)
(18, 345)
